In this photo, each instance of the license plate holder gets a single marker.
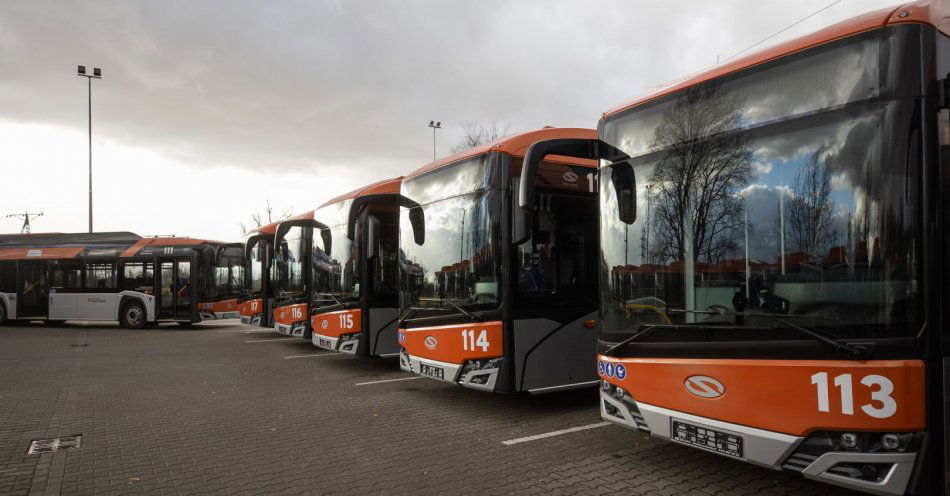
(432, 371)
(703, 437)
(325, 343)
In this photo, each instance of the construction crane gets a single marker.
(26, 216)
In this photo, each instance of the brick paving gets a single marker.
(199, 410)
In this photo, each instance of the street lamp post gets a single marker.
(434, 125)
(96, 74)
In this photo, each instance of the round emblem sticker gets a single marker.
(431, 342)
(600, 367)
(610, 369)
(621, 371)
(325, 323)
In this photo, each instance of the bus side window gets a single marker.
(7, 277)
(138, 276)
(66, 274)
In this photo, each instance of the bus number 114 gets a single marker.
(469, 342)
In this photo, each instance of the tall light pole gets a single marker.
(96, 74)
(434, 125)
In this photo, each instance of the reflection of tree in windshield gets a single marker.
(809, 212)
(694, 186)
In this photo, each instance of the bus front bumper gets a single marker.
(761, 447)
(296, 329)
(476, 374)
(345, 343)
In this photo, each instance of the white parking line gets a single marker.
(313, 355)
(554, 433)
(269, 340)
(389, 380)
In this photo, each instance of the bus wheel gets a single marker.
(184, 324)
(133, 316)
(3, 314)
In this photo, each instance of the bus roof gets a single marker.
(67, 239)
(165, 241)
(386, 186)
(517, 145)
(932, 12)
(44, 246)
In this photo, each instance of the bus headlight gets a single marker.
(481, 372)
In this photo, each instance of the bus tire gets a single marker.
(184, 324)
(132, 315)
(3, 314)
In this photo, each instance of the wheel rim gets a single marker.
(134, 315)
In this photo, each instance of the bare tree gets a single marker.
(260, 219)
(810, 211)
(707, 161)
(476, 133)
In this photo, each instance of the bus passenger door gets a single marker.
(183, 290)
(32, 290)
(166, 289)
(174, 289)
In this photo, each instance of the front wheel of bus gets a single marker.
(133, 316)
(3, 314)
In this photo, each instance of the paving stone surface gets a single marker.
(217, 409)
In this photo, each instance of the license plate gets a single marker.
(703, 437)
(325, 343)
(431, 371)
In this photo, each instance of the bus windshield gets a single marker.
(289, 265)
(229, 271)
(755, 203)
(460, 259)
(336, 274)
(256, 273)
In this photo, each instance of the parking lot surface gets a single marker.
(222, 408)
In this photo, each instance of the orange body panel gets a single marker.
(39, 253)
(290, 314)
(779, 395)
(517, 146)
(447, 344)
(336, 324)
(252, 307)
(219, 306)
(384, 187)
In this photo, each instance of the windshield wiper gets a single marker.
(828, 340)
(336, 300)
(464, 311)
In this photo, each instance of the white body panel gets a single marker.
(95, 306)
(63, 306)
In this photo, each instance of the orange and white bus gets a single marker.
(773, 255)
(355, 306)
(292, 273)
(487, 308)
(256, 302)
(110, 276)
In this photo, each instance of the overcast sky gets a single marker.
(207, 109)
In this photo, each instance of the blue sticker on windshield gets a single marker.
(600, 367)
(621, 371)
(610, 369)
(402, 337)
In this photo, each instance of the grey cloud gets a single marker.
(347, 84)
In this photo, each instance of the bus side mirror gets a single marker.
(625, 186)
(327, 240)
(520, 219)
(418, 220)
(372, 237)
